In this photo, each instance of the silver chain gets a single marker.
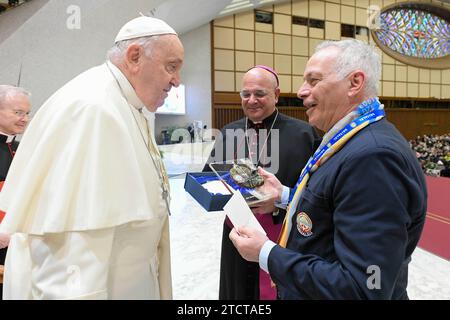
(265, 142)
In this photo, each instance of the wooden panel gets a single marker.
(361, 17)
(282, 44)
(224, 80)
(424, 75)
(435, 76)
(317, 9)
(245, 40)
(245, 20)
(223, 59)
(332, 12)
(283, 63)
(282, 23)
(283, 8)
(225, 22)
(400, 89)
(416, 122)
(300, 46)
(264, 42)
(445, 76)
(347, 15)
(264, 58)
(244, 60)
(388, 72)
(300, 8)
(222, 98)
(223, 38)
(400, 73)
(410, 122)
(316, 33)
(263, 27)
(332, 31)
(413, 74)
(285, 83)
(298, 64)
(224, 114)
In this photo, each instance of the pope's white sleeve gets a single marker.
(164, 270)
(71, 265)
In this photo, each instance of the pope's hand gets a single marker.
(4, 240)
(273, 187)
(248, 242)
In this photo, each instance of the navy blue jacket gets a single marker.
(367, 205)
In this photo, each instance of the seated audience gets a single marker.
(433, 152)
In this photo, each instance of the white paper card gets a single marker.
(216, 186)
(240, 214)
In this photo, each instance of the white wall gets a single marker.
(50, 53)
(196, 75)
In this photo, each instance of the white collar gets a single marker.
(125, 85)
(9, 137)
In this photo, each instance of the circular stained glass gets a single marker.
(416, 32)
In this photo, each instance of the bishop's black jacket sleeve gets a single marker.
(371, 199)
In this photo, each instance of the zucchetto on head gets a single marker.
(143, 27)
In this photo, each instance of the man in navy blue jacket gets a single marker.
(360, 207)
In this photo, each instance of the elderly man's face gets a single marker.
(324, 95)
(259, 94)
(160, 72)
(14, 111)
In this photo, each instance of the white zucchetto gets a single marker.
(143, 27)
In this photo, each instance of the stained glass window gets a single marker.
(414, 33)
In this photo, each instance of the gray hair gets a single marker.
(117, 52)
(356, 54)
(7, 91)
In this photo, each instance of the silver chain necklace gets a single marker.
(165, 190)
(265, 142)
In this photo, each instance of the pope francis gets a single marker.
(87, 196)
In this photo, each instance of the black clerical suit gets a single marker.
(7, 150)
(239, 279)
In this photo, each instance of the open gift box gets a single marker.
(193, 185)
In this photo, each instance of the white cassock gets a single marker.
(84, 198)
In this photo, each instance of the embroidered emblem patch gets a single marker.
(304, 224)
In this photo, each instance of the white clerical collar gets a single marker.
(9, 137)
(127, 88)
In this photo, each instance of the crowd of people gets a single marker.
(433, 152)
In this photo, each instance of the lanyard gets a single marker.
(369, 111)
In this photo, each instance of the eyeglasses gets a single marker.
(259, 94)
(21, 114)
